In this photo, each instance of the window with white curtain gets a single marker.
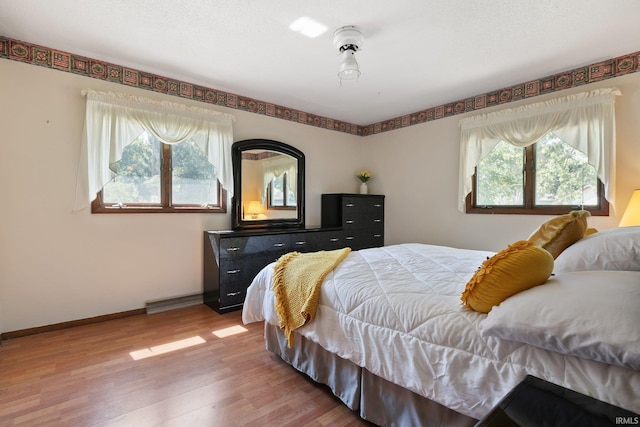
(141, 155)
(279, 181)
(279, 193)
(543, 158)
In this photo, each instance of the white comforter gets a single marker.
(396, 311)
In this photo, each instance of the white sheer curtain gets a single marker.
(274, 168)
(114, 120)
(586, 121)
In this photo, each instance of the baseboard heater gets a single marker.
(158, 306)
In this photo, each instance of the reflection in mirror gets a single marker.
(268, 184)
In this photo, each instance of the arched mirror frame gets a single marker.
(237, 221)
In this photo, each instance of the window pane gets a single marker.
(291, 197)
(194, 178)
(563, 176)
(138, 174)
(277, 194)
(500, 177)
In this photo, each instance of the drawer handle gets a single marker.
(377, 220)
(278, 245)
(349, 221)
(233, 271)
(233, 294)
(349, 237)
(349, 205)
(233, 249)
(300, 243)
(377, 205)
(333, 239)
(377, 235)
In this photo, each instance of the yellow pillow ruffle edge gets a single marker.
(520, 266)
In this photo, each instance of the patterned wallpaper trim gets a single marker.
(17, 50)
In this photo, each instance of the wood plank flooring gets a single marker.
(87, 376)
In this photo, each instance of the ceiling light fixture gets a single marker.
(348, 40)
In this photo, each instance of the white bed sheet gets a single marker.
(396, 311)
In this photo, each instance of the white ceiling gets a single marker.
(416, 54)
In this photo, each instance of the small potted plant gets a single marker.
(364, 176)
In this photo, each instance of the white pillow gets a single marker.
(615, 249)
(590, 314)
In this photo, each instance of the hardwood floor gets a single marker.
(87, 376)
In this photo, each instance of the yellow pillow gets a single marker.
(522, 265)
(559, 233)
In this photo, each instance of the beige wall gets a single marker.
(417, 168)
(57, 266)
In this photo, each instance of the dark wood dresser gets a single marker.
(233, 258)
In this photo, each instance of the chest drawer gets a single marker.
(233, 248)
(234, 271)
(362, 204)
(232, 294)
(363, 220)
(325, 240)
(241, 247)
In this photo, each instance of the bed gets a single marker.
(393, 341)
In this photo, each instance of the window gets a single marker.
(547, 177)
(276, 193)
(152, 176)
(142, 155)
(547, 157)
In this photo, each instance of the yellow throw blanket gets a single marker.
(296, 283)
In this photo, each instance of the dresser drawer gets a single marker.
(275, 244)
(362, 204)
(300, 242)
(233, 248)
(362, 239)
(232, 271)
(363, 220)
(371, 237)
(373, 220)
(352, 205)
(325, 240)
(232, 294)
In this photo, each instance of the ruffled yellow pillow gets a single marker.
(522, 265)
(559, 233)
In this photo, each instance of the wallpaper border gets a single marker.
(30, 53)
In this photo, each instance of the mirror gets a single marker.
(268, 182)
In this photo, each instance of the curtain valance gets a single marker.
(275, 168)
(114, 120)
(586, 121)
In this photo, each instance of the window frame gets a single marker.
(529, 208)
(166, 205)
(285, 206)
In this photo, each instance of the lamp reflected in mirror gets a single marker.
(254, 211)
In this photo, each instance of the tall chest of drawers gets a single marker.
(233, 258)
(360, 216)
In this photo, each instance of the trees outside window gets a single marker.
(156, 177)
(548, 177)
